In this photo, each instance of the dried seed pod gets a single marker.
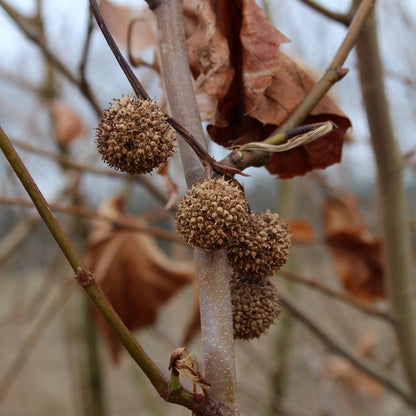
(263, 248)
(134, 136)
(212, 214)
(255, 306)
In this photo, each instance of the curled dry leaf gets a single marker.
(235, 58)
(357, 254)
(67, 125)
(133, 272)
(187, 366)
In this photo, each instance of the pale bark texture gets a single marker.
(392, 198)
(211, 267)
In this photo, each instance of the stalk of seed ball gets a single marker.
(134, 136)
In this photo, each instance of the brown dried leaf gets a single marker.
(170, 185)
(67, 125)
(118, 18)
(339, 368)
(235, 58)
(133, 272)
(358, 257)
(302, 231)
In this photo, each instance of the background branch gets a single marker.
(349, 300)
(392, 198)
(344, 18)
(385, 379)
(28, 29)
(145, 181)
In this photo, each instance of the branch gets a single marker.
(87, 282)
(124, 223)
(65, 161)
(333, 74)
(27, 28)
(393, 205)
(358, 362)
(345, 19)
(350, 300)
(26, 346)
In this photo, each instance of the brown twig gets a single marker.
(368, 368)
(350, 300)
(85, 51)
(135, 61)
(124, 223)
(145, 181)
(28, 344)
(27, 28)
(344, 18)
(392, 198)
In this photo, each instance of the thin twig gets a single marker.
(145, 181)
(27, 28)
(27, 345)
(344, 18)
(377, 374)
(85, 51)
(314, 284)
(123, 223)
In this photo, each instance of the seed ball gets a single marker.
(255, 305)
(204, 216)
(134, 136)
(263, 248)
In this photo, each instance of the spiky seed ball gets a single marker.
(134, 136)
(263, 248)
(212, 214)
(255, 305)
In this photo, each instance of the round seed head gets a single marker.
(255, 306)
(263, 248)
(212, 214)
(134, 136)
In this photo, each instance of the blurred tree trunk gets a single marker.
(392, 197)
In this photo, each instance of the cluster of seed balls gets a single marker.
(215, 215)
(134, 136)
